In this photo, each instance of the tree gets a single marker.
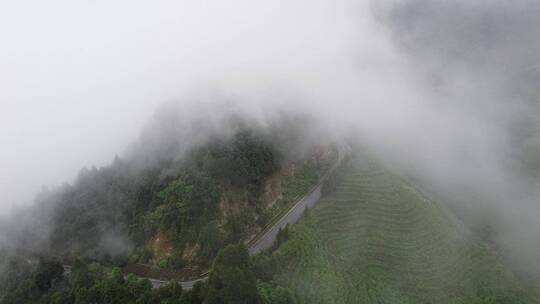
(276, 294)
(80, 276)
(231, 280)
(282, 237)
(47, 272)
(168, 294)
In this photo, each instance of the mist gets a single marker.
(78, 81)
(479, 66)
(442, 92)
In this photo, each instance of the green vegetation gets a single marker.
(295, 186)
(186, 211)
(375, 239)
(175, 213)
(372, 238)
(165, 213)
(86, 284)
(299, 183)
(231, 280)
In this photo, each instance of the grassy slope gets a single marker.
(377, 240)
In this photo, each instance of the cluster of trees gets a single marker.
(177, 196)
(232, 280)
(109, 214)
(235, 278)
(48, 283)
(187, 209)
(21, 282)
(184, 211)
(243, 162)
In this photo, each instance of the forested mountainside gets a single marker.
(373, 238)
(174, 213)
(231, 280)
(163, 211)
(175, 204)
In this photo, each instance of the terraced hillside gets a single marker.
(376, 239)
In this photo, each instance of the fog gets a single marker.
(445, 92)
(78, 80)
(480, 68)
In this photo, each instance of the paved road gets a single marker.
(267, 239)
(291, 217)
(294, 214)
(185, 284)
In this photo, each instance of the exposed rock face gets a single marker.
(160, 246)
(190, 252)
(232, 202)
(273, 189)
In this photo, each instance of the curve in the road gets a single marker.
(267, 238)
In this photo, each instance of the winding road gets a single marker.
(266, 240)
